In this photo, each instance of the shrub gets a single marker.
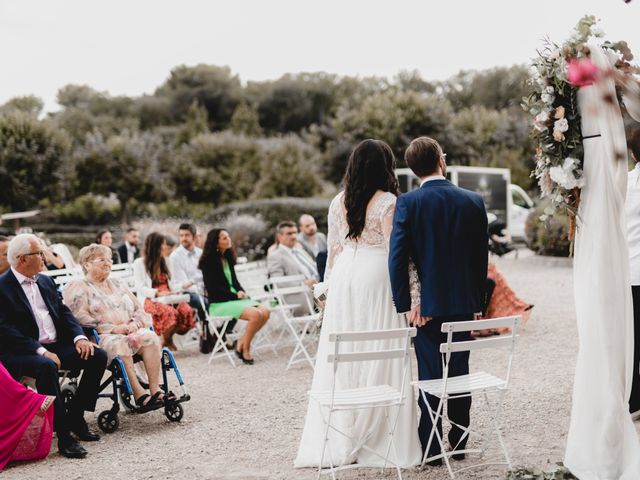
(549, 237)
(87, 209)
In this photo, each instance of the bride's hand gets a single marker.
(413, 317)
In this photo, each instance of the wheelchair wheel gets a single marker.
(108, 421)
(68, 392)
(174, 412)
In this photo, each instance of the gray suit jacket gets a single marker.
(281, 263)
(321, 243)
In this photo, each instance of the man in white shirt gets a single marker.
(183, 264)
(39, 335)
(633, 238)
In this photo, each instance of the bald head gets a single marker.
(307, 225)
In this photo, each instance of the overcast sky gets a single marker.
(129, 47)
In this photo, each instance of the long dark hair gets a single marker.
(154, 262)
(210, 250)
(100, 234)
(370, 168)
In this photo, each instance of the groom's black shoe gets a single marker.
(434, 463)
(458, 456)
(69, 448)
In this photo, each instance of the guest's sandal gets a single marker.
(152, 403)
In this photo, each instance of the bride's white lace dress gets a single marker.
(602, 443)
(360, 298)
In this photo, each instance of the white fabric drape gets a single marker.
(602, 442)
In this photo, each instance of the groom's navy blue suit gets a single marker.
(443, 229)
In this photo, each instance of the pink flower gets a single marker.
(134, 340)
(582, 72)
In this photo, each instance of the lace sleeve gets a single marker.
(335, 242)
(76, 297)
(387, 227)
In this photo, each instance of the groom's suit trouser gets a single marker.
(634, 400)
(427, 346)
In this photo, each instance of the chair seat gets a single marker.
(380, 394)
(462, 384)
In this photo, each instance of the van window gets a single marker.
(518, 199)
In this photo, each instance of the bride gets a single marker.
(360, 222)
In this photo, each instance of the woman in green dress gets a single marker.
(225, 294)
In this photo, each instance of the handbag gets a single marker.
(207, 341)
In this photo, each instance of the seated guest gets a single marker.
(52, 261)
(39, 335)
(501, 301)
(129, 250)
(26, 423)
(287, 259)
(152, 277)
(183, 264)
(105, 238)
(226, 296)
(4, 245)
(311, 240)
(108, 306)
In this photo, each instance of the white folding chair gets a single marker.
(303, 328)
(217, 327)
(370, 397)
(463, 386)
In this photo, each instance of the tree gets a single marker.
(29, 104)
(196, 123)
(33, 155)
(245, 121)
(213, 87)
(128, 165)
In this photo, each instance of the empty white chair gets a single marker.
(384, 397)
(477, 383)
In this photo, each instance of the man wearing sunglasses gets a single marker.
(39, 335)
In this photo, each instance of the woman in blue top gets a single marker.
(225, 294)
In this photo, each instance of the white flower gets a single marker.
(565, 175)
(555, 54)
(547, 98)
(542, 117)
(549, 89)
(561, 125)
(612, 55)
(597, 32)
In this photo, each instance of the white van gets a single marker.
(507, 201)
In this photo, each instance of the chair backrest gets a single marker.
(507, 340)
(287, 281)
(288, 295)
(398, 338)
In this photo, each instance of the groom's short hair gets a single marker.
(423, 156)
(634, 144)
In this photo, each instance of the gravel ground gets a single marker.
(245, 422)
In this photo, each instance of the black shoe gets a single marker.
(458, 456)
(434, 463)
(81, 430)
(69, 448)
(244, 360)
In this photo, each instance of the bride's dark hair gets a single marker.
(370, 168)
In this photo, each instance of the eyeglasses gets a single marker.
(102, 260)
(41, 253)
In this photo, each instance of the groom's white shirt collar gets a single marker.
(433, 177)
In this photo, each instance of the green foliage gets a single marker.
(559, 472)
(196, 122)
(87, 209)
(32, 158)
(245, 121)
(215, 88)
(29, 104)
(549, 237)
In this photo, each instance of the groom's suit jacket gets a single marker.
(443, 229)
(18, 328)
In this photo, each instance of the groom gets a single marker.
(443, 230)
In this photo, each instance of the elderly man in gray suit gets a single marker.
(290, 259)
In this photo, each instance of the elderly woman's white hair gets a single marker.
(20, 245)
(92, 251)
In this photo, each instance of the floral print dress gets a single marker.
(107, 308)
(167, 316)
